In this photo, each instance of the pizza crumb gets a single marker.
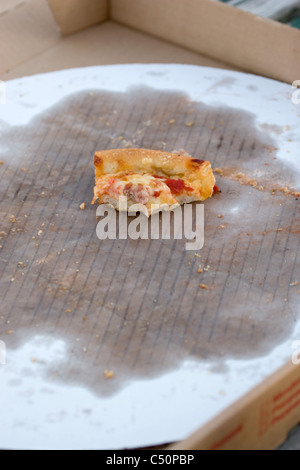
(1, 162)
(68, 310)
(212, 128)
(295, 283)
(12, 219)
(171, 121)
(109, 374)
(279, 229)
(189, 124)
(219, 171)
(203, 286)
(220, 216)
(197, 255)
(82, 206)
(221, 226)
(200, 270)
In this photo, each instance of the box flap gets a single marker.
(74, 15)
(255, 44)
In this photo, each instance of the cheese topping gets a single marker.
(139, 188)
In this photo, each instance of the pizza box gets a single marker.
(136, 31)
(202, 32)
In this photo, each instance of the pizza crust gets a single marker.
(149, 177)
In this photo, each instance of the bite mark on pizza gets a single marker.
(152, 179)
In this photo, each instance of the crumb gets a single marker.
(220, 216)
(279, 229)
(221, 226)
(287, 128)
(12, 279)
(10, 332)
(171, 121)
(219, 170)
(40, 232)
(203, 286)
(295, 283)
(189, 124)
(200, 270)
(197, 255)
(212, 128)
(33, 359)
(1, 162)
(285, 299)
(109, 374)
(68, 310)
(12, 219)
(82, 206)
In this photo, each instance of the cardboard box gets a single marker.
(185, 31)
(33, 42)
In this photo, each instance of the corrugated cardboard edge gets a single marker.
(226, 33)
(75, 15)
(260, 420)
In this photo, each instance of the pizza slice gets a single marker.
(151, 180)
